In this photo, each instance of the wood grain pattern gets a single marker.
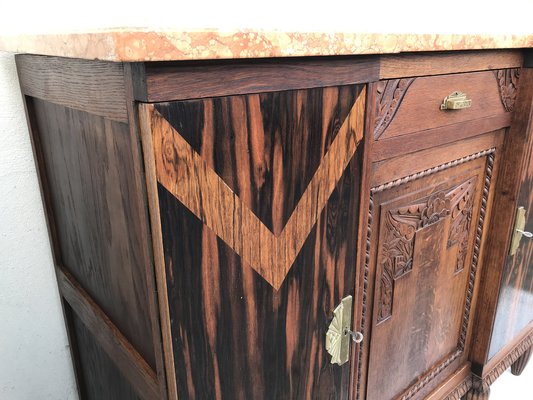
(190, 179)
(95, 87)
(237, 337)
(158, 81)
(127, 360)
(514, 311)
(389, 172)
(514, 152)
(277, 139)
(421, 371)
(404, 169)
(256, 215)
(98, 377)
(359, 356)
(455, 387)
(388, 148)
(438, 63)
(190, 80)
(234, 336)
(157, 246)
(140, 186)
(460, 391)
(100, 234)
(420, 103)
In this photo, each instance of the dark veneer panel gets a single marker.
(515, 304)
(266, 147)
(234, 335)
(98, 378)
(100, 236)
(166, 81)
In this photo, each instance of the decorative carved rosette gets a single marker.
(508, 86)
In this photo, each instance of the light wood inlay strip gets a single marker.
(157, 244)
(187, 176)
(113, 342)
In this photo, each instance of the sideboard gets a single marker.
(346, 226)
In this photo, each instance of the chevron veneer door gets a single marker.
(255, 209)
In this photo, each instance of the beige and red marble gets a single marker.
(148, 45)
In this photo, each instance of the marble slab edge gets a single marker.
(129, 46)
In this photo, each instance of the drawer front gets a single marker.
(258, 199)
(409, 105)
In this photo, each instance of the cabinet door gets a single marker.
(425, 237)
(514, 312)
(257, 198)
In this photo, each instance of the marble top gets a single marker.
(161, 45)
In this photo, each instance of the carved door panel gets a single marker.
(258, 203)
(424, 247)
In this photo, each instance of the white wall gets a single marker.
(34, 356)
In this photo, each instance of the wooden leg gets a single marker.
(478, 394)
(519, 365)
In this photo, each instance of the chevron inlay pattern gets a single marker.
(183, 172)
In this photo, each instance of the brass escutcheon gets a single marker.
(339, 335)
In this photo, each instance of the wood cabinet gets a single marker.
(258, 203)
(208, 219)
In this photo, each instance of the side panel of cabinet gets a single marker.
(504, 327)
(514, 312)
(98, 376)
(425, 241)
(258, 204)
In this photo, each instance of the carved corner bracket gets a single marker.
(390, 94)
(508, 86)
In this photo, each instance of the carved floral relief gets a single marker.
(508, 86)
(400, 228)
(390, 94)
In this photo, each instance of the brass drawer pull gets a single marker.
(456, 101)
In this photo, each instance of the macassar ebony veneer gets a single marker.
(298, 228)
